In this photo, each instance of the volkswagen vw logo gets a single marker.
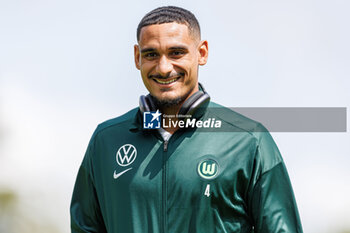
(126, 155)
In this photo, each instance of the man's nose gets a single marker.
(164, 66)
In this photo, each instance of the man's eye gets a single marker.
(177, 53)
(151, 55)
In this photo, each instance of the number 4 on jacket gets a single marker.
(207, 190)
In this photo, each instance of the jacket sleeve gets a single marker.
(85, 210)
(272, 204)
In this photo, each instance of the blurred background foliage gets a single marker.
(14, 219)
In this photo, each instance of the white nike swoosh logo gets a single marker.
(115, 175)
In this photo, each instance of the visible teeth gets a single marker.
(165, 82)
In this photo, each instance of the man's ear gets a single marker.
(203, 52)
(137, 56)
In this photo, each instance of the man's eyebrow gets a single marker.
(178, 48)
(148, 50)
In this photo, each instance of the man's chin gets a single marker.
(167, 102)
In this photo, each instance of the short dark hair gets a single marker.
(169, 14)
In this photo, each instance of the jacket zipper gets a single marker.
(164, 185)
(165, 146)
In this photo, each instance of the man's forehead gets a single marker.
(165, 31)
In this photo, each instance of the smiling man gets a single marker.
(141, 176)
(168, 54)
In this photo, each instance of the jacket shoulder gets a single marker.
(267, 153)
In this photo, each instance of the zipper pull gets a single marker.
(166, 146)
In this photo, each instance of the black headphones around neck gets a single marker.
(195, 101)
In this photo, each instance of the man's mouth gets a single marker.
(165, 82)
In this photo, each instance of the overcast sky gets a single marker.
(66, 66)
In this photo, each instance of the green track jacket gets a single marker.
(131, 181)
